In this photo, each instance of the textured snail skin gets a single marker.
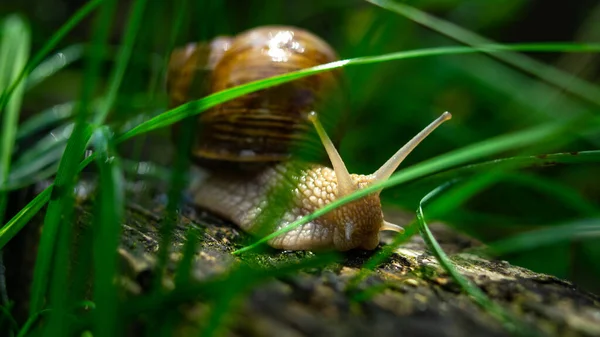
(241, 198)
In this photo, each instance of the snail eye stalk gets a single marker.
(392, 164)
(345, 185)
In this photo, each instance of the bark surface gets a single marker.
(263, 293)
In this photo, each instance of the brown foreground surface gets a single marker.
(407, 295)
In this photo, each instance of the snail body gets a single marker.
(242, 198)
(264, 129)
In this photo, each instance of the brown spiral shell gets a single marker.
(264, 125)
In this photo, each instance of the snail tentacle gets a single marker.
(388, 226)
(345, 185)
(385, 171)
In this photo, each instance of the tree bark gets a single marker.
(409, 294)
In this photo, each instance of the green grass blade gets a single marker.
(565, 194)
(110, 208)
(183, 274)
(480, 175)
(33, 178)
(554, 76)
(135, 18)
(454, 198)
(464, 155)
(51, 44)
(55, 137)
(145, 169)
(179, 180)
(14, 327)
(509, 321)
(30, 322)
(577, 230)
(14, 225)
(61, 205)
(215, 290)
(45, 119)
(447, 202)
(65, 180)
(61, 201)
(541, 160)
(36, 159)
(14, 50)
(54, 63)
(195, 107)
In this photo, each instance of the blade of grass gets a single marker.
(34, 318)
(445, 203)
(51, 44)
(123, 56)
(541, 160)
(178, 182)
(178, 178)
(24, 168)
(565, 194)
(57, 277)
(45, 119)
(215, 290)
(510, 321)
(14, 326)
(55, 138)
(17, 222)
(159, 72)
(14, 51)
(466, 154)
(55, 325)
(54, 63)
(195, 107)
(146, 169)
(576, 230)
(61, 202)
(233, 288)
(66, 174)
(481, 175)
(55, 243)
(110, 209)
(450, 201)
(30, 322)
(39, 161)
(184, 268)
(576, 86)
(32, 179)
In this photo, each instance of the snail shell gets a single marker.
(190, 68)
(267, 125)
(272, 126)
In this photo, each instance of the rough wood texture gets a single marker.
(407, 295)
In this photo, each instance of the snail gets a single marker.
(248, 144)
